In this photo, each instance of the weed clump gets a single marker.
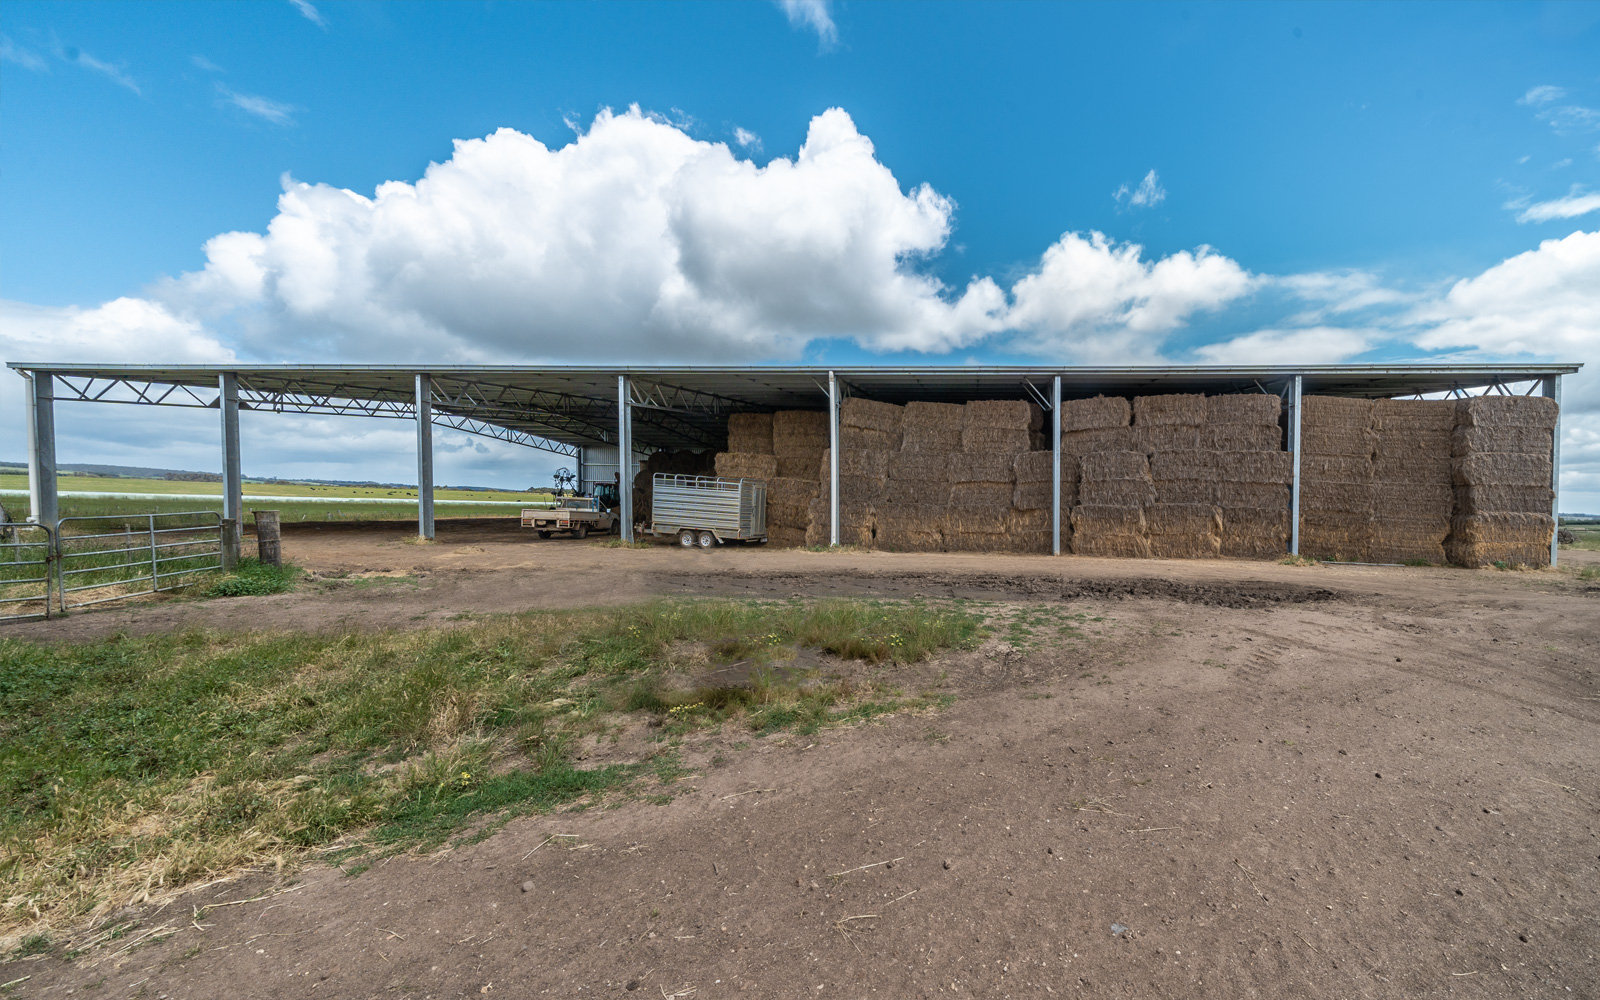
(253, 578)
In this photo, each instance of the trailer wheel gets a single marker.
(707, 539)
(544, 534)
(686, 538)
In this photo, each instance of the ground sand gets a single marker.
(1279, 780)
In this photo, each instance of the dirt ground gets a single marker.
(1238, 780)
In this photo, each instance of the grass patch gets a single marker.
(132, 766)
(617, 543)
(254, 578)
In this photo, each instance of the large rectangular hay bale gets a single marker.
(1109, 531)
(1114, 465)
(869, 414)
(1254, 533)
(932, 426)
(1257, 408)
(911, 527)
(1086, 442)
(1266, 496)
(1513, 539)
(800, 426)
(933, 439)
(1336, 412)
(1006, 440)
(750, 433)
(1186, 546)
(1185, 465)
(982, 467)
(1435, 415)
(1401, 499)
(746, 465)
(994, 497)
(800, 466)
(921, 466)
(1253, 466)
(1336, 442)
(1188, 408)
(1507, 411)
(1406, 550)
(1012, 414)
(856, 462)
(1335, 468)
(1241, 437)
(1028, 521)
(1340, 498)
(1116, 492)
(1186, 491)
(1422, 467)
(1037, 496)
(1501, 468)
(788, 515)
(1034, 467)
(1182, 519)
(1097, 413)
(1511, 437)
(786, 537)
(1165, 437)
(1503, 499)
(867, 439)
(1334, 535)
(786, 490)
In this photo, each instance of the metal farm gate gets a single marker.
(115, 556)
(27, 570)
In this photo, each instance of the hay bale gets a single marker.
(1241, 437)
(1503, 499)
(866, 439)
(931, 439)
(1350, 441)
(803, 466)
(1336, 498)
(869, 414)
(1097, 413)
(914, 527)
(1034, 467)
(1182, 519)
(1253, 466)
(1188, 491)
(1399, 500)
(1165, 437)
(1085, 442)
(746, 465)
(982, 467)
(1112, 531)
(1336, 412)
(1405, 550)
(857, 524)
(788, 515)
(1185, 546)
(800, 426)
(1254, 533)
(1011, 414)
(1335, 468)
(1501, 468)
(1184, 465)
(998, 439)
(1260, 409)
(1114, 465)
(1186, 408)
(1116, 492)
(1336, 535)
(995, 497)
(1414, 415)
(1507, 411)
(786, 490)
(1035, 496)
(1527, 440)
(1023, 522)
(856, 462)
(932, 427)
(786, 537)
(920, 466)
(1421, 467)
(1265, 496)
(750, 433)
(1513, 539)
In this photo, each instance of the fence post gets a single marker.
(155, 568)
(269, 547)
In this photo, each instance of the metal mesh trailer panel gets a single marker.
(728, 508)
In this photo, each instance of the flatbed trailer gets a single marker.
(706, 510)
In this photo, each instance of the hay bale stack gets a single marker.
(1097, 413)
(1336, 508)
(1109, 530)
(932, 427)
(981, 485)
(1252, 490)
(911, 527)
(798, 439)
(863, 476)
(858, 523)
(745, 465)
(1501, 474)
(1184, 530)
(1254, 409)
(750, 433)
(1184, 409)
(867, 423)
(1115, 479)
(1255, 532)
(789, 509)
(1034, 472)
(1184, 477)
(674, 463)
(1006, 426)
(1412, 501)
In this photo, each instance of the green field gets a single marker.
(106, 484)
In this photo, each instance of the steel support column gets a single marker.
(1055, 466)
(1294, 449)
(625, 453)
(44, 502)
(232, 478)
(1551, 389)
(424, 413)
(833, 459)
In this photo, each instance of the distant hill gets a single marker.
(143, 472)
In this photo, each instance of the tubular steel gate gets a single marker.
(115, 556)
(27, 570)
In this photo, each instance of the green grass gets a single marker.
(253, 578)
(289, 510)
(108, 484)
(134, 762)
(1587, 536)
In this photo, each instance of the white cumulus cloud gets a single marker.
(1314, 345)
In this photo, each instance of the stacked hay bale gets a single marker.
(1501, 452)
(1114, 488)
(1337, 443)
(1253, 474)
(674, 463)
(799, 440)
(916, 504)
(1181, 517)
(869, 432)
(1412, 499)
(994, 434)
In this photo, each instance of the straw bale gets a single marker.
(1406, 550)
(921, 466)
(1253, 466)
(1035, 542)
(1184, 465)
(931, 439)
(1514, 539)
(1241, 437)
(1036, 496)
(1255, 521)
(1027, 521)
(1267, 496)
(1340, 498)
(1034, 467)
(1414, 414)
(750, 433)
(1337, 412)
(871, 415)
(975, 520)
(909, 540)
(1182, 519)
(1528, 440)
(854, 515)
(800, 425)
(855, 489)
(1108, 520)
(1413, 467)
(786, 490)
(1501, 468)
(976, 541)
(997, 439)
(985, 496)
(1165, 437)
(1338, 441)
(788, 515)
(1394, 499)
(951, 416)
(863, 438)
(801, 466)
(1186, 546)
(786, 537)
(1503, 499)
(746, 465)
(1116, 492)
(1172, 408)
(856, 462)
(911, 528)
(1012, 414)
(1111, 546)
(981, 467)
(1335, 469)
(1249, 546)
(1334, 535)
(1114, 465)
(1189, 491)
(1507, 411)
(1096, 413)
(1102, 439)
(1261, 409)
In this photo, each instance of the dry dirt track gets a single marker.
(1282, 781)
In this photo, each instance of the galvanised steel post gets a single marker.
(44, 502)
(1055, 466)
(232, 481)
(424, 411)
(1294, 480)
(1552, 390)
(833, 459)
(625, 453)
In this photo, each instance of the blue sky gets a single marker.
(1346, 164)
